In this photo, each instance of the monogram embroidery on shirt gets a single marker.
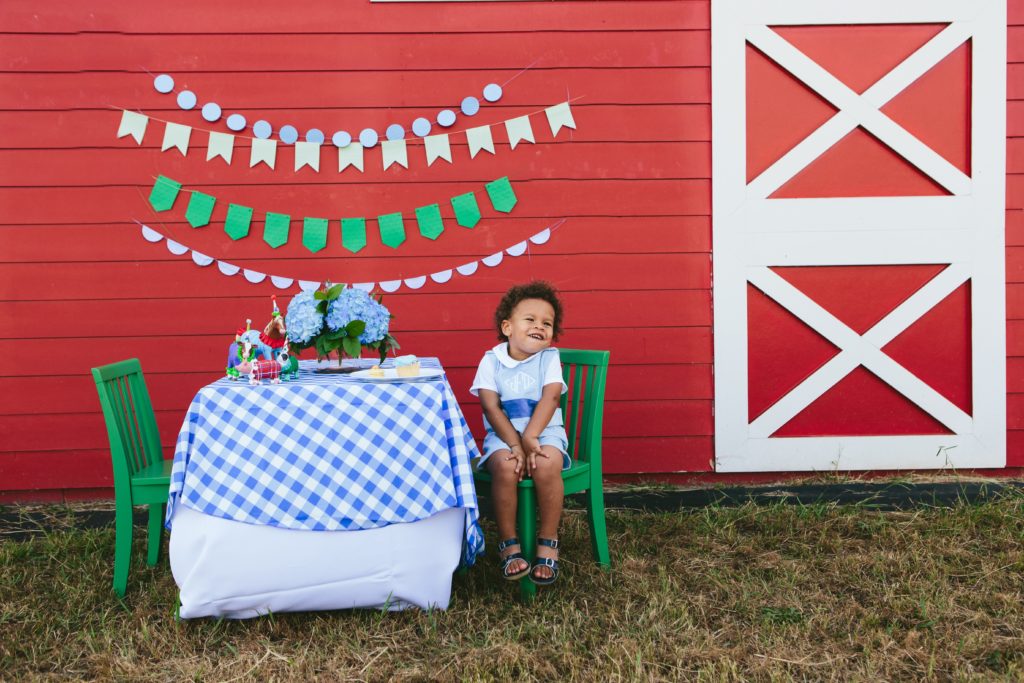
(520, 382)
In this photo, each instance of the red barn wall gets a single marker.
(633, 183)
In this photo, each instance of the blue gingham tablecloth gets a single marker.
(327, 453)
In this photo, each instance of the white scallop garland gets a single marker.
(416, 282)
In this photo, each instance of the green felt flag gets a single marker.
(275, 232)
(501, 194)
(429, 218)
(236, 225)
(392, 229)
(164, 192)
(467, 213)
(353, 233)
(314, 234)
(200, 207)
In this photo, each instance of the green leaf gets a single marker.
(352, 346)
(319, 296)
(339, 334)
(355, 328)
(334, 292)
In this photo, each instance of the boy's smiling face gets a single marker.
(529, 329)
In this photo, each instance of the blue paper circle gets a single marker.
(262, 129)
(342, 139)
(445, 118)
(470, 106)
(163, 83)
(492, 92)
(288, 134)
(395, 132)
(211, 111)
(186, 99)
(368, 138)
(236, 122)
(315, 135)
(421, 127)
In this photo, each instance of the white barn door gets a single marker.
(858, 210)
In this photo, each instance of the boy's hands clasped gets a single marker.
(525, 454)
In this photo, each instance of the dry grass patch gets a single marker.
(720, 594)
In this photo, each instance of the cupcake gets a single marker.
(407, 366)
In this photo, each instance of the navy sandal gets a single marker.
(510, 558)
(549, 562)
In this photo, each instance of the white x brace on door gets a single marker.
(757, 236)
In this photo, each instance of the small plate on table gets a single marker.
(391, 375)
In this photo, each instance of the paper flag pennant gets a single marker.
(307, 154)
(467, 213)
(275, 230)
(429, 219)
(394, 152)
(200, 208)
(163, 194)
(392, 229)
(263, 151)
(478, 139)
(236, 225)
(519, 129)
(353, 233)
(314, 234)
(221, 145)
(134, 124)
(560, 115)
(176, 135)
(438, 147)
(350, 155)
(501, 194)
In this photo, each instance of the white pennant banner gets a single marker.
(350, 155)
(263, 151)
(307, 154)
(394, 152)
(478, 139)
(221, 145)
(558, 116)
(134, 124)
(437, 147)
(176, 135)
(518, 130)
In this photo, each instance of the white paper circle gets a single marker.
(445, 118)
(542, 236)
(395, 132)
(175, 248)
(211, 111)
(288, 134)
(368, 137)
(150, 234)
(421, 127)
(281, 282)
(517, 249)
(253, 277)
(442, 277)
(227, 268)
(391, 285)
(308, 285)
(493, 259)
(341, 139)
(492, 92)
(236, 122)
(470, 106)
(186, 99)
(315, 135)
(365, 286)
(262, 129)
(201, 259)
(163, 83)
(468, 269)
(416, 282)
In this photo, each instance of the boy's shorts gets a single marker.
(551, 436)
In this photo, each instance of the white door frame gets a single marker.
(752, 233)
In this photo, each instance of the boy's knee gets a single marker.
(500, 468)
(551, 466)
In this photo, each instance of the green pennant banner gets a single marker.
(200, 208)
(163, 194)
(236, 225)
(501, 194)
(392, 229)
(275, 231)
(353, 233)
(429, 219)
(467, 213)
(314, 234)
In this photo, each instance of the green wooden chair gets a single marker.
(141, 475)
(585, 373)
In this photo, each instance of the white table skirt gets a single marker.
(230, 569)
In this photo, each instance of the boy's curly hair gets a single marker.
(538, 289)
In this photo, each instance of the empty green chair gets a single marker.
(585, 373)
(141, 475)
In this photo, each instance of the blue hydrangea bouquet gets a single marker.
(339, 320)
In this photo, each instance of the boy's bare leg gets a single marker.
(547, 478)
(504, 485)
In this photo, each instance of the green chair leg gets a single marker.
(598, 530)
(526, 518)
(122, 546)
(155, 529)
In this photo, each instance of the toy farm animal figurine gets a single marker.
(274, 339)
(238, 353)
(262, 369)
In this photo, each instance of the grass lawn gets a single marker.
(772, 593)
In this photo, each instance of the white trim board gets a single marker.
(752, 233)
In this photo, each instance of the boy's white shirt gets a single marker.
(485, 372)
